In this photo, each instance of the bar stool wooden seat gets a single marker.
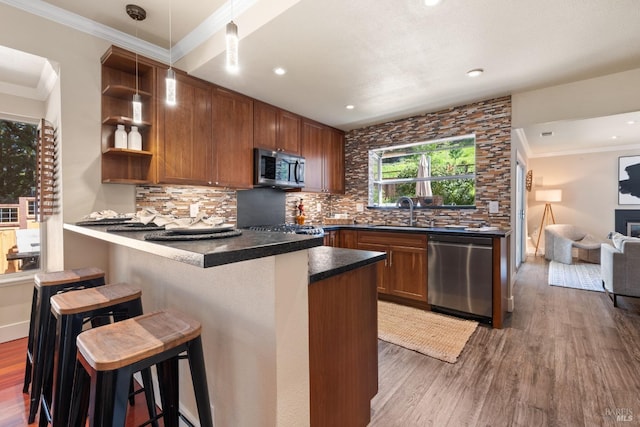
(108, 355)
(71, 310)
(47, 285)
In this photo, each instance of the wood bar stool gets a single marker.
(108, 355)
(47, 285)
(71, 310)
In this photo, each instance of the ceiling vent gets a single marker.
(547, 133)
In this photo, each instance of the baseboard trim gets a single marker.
(14, 331)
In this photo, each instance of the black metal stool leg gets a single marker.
(32, 325)
(169, 393)
(79, 397)
(108, 405)
(67, 328)
(147, 383)
(199, 379)
(47, 379)
(43, 322)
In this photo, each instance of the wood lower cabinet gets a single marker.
(348, 239)
(332, 238)
(323, 150)
(341, 239)
(404, 274)
(276, 129)
(185, 150)
(232, 139)
(343, 355)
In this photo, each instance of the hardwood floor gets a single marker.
(565, 358)
(14, 405)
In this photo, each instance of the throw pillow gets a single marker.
(619, 239)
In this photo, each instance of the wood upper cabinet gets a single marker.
(323, 150)
(334, 161)
(185, 151)
(119, 77)
(276, 129)
(232, 139)
(405, 270)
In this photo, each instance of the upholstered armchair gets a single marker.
(620, 267)
(560, 239)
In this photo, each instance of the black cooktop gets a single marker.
(290, 229)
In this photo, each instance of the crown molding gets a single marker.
(523, 141)
(61, 16)
(587, 151)
(217, 21)
(211, 25)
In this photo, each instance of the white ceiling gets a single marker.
(391, 59)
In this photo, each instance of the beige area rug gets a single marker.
(583, 276)
(435, 335)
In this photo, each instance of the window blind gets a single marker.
(47, 171)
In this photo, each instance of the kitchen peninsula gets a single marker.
(260, 297)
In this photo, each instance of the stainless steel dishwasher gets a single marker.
(459, 274)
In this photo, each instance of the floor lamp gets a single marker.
(547, 196)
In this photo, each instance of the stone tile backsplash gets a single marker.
(489, 120)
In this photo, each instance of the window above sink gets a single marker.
(434, 174)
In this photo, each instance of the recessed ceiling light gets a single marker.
(280, 71)
(614, 137)
(432, 2)
(350, 106)
(631, 122)
(547, 133)
(475, 72)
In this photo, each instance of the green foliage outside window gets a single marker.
(18, 143)
(451, 164)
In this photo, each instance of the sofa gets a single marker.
(560, 239)
(620, 267)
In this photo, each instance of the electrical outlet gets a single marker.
(194, 208)
(359, 207)
(319, 207)
(493, 207)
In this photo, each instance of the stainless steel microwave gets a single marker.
(277, 169)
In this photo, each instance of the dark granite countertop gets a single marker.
(427, 230)
(325, 261)
(206, 253)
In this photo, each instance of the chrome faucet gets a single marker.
(398, 203)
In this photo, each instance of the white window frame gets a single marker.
(375, 165)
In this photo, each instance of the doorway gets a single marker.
(520, 232)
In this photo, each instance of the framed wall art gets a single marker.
(629, 180)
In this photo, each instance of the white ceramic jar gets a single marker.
(134, 139)
(120, 137)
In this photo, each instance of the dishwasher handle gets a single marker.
(463, 240)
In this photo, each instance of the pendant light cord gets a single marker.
(136, 60)
(170, 41)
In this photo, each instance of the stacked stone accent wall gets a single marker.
(489, 120)
(176, 200)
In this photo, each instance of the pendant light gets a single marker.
(170, 80)
(137, 14)
(232, 45)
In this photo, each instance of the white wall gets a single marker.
(18, 108)
(75, 107)
(600, 96)
(588, 181)
(589, 184)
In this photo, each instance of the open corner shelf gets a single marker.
(126, 152)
